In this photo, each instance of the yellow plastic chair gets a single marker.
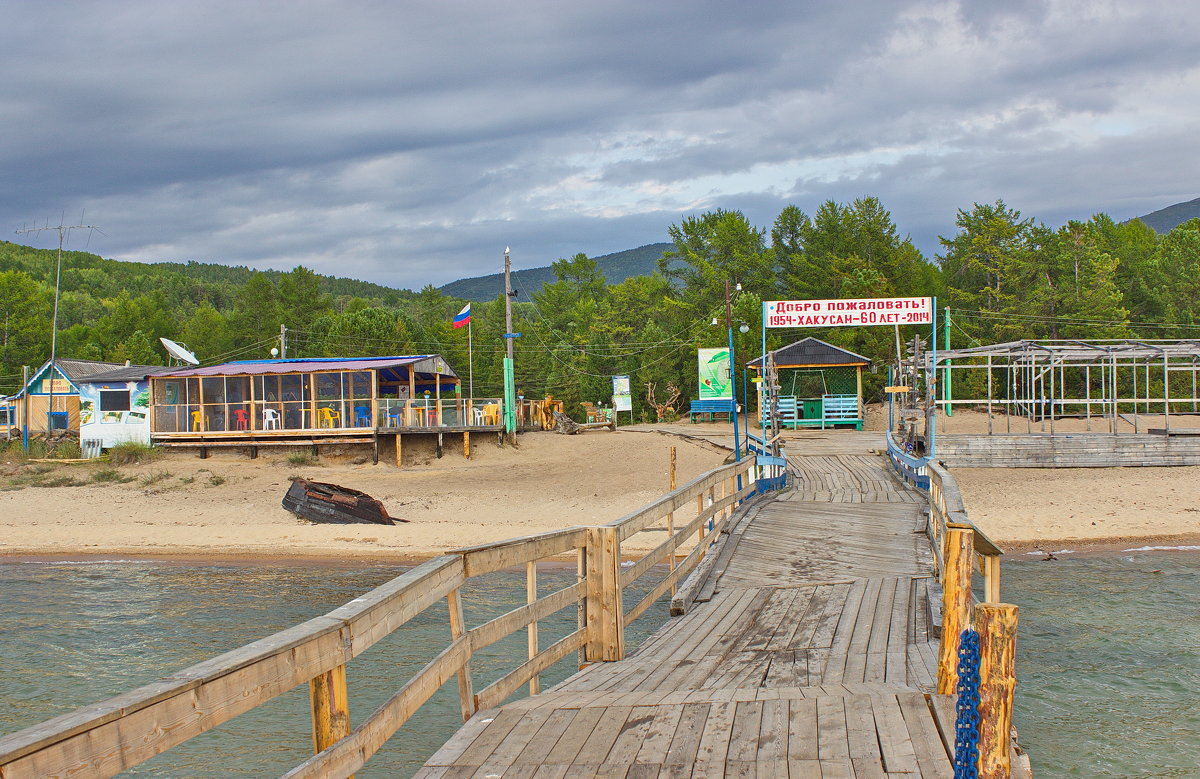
(327, 416)
(197, 421)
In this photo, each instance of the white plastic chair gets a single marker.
(270, 419)
(478, 416)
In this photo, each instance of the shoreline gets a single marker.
(1186, 543)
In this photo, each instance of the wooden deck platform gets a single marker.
(814, 656)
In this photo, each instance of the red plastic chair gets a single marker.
(243, 421)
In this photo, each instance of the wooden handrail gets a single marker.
(111, 736)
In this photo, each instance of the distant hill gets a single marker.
(1164, 220)
(616, 267)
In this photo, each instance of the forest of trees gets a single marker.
(1005, 277)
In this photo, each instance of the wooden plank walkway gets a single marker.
(815, 655)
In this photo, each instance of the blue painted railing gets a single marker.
(911, 469)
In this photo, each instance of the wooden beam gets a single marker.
(399, 451)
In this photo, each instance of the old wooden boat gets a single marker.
(322, 502)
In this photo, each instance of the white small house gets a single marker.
(114, 406)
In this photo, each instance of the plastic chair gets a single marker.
(241, 420)
(197, 421)
(327, 416)
(270, 419)
(362, 416)
(478, 415)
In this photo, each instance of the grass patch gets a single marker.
(216, 480)
(186, 479)
(110, 476)
(65, 449)
(60, 481)
(301, 458)
(154, 477)
(131, 452)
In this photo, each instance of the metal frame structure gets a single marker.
(1041, 381)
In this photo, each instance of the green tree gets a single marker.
(25, 312)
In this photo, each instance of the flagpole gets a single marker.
(470, 365)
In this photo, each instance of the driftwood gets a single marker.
(321, 502)
(565, 425)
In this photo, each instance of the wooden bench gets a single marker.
(711, 407)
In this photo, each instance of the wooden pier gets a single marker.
(808, 646)
(815, 656)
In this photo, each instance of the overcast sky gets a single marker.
(408, 143)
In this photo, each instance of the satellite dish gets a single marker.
(178, 352)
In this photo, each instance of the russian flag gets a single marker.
(463, 317)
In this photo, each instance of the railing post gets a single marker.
(956, 603)
(605, 614)
(997, 627)
(991, 578)
(531, 594)
(330, 702)
(466, 695)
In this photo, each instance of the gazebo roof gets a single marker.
(810, 353)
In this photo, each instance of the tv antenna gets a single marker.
(64, 230)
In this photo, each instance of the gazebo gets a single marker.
(819, 385)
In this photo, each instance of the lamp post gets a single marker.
(737, 445)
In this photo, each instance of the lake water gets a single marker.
(1108, 655)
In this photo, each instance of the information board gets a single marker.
(622, 398)
(861, 312)
(714, 374)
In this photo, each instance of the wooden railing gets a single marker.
(959, 549)
(109, 737)
(913, 470)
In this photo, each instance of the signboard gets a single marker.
(896, 390)
(715, 383)
(56, 387)
(862, 312)
(622, 397)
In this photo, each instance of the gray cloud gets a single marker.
(409, 143)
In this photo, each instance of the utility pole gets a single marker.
(510, 382)
(282, 342)
(63, 231)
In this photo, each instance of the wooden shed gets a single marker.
(819, 385)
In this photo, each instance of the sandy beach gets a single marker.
(228, 506)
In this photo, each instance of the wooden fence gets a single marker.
(106, 738)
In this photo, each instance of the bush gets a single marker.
(216, 480)
(301, 458)
(131, 452)
(65, 449)
(154, 478)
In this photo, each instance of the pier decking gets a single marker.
(816, 655)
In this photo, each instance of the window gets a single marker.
(114, 400)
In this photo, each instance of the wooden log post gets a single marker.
(991, 578)
(399, 451)
(330, 708)
(956, 604)
(605, 625)
(467, 444)
(997, 626)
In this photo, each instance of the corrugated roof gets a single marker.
(128, 373)
(78, 370)
(811, 351)
(306, 365)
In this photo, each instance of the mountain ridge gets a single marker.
(616, 267)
